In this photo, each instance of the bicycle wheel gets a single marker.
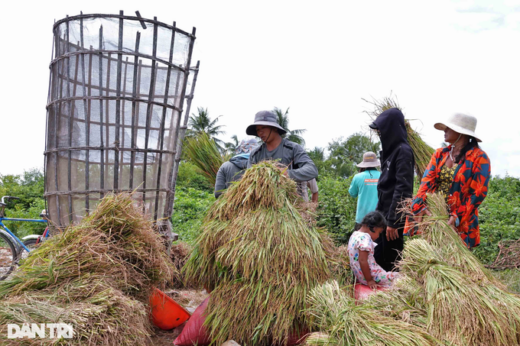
(7, 256)
(31, 244)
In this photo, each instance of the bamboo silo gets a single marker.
(117, 93)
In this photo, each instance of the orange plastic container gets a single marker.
(166, 313)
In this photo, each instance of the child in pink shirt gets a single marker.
(361, 252)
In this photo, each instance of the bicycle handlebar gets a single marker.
(8, 198)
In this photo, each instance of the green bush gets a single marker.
(189, 177)
(29, 188)
(190, 209)
(337, 209)
(21, 229)
(498, 216)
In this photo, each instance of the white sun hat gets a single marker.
(460, 123)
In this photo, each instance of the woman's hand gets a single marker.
(372, 284)
(418, 218)
(451, 221)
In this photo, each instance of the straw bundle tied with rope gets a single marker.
(422, 152)
(448, 291)
(260, 257)
(96, 275)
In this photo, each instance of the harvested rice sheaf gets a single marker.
(422, 152)
(260, 257)
(341, 322)
(405, 301)
(96, 275)
(442, 236)
(461, 309)
(446, 291)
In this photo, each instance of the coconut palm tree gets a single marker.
(283, 120)
(202, 122)
(231, 147)
(317, 154)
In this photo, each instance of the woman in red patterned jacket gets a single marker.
(461, 172)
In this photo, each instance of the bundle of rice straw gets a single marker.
(339, 264)
(205, 154)
(260, 257)
(448, 291)
(422, 152)
(96, 275)
(342, 322)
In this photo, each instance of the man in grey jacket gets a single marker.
(274, 147)
(233, 169)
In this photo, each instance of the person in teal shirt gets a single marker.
(364, 186)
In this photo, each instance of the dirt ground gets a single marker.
(188, 299)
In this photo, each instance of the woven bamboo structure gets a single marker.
(117, 92)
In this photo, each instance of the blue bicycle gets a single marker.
(12, 248)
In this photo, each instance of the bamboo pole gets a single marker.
(163, 120)
(149, 110)
(57, 117)
(134, 111)
(123, 122)
(86, 110)
(118, 104)
(182, 133)
(71, 124)
(171, 183)
(102, 153)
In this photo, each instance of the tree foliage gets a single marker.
(346, 154)
(283, 120)
(202, 123)
(190, 209)
(337, 209)
(499, 216)
(231, 147)
(29, 187)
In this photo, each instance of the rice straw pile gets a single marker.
(422, 152)
(448, 292)
(179, 254)
(260, 257)
(96, 275)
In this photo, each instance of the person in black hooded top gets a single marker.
(395, 184)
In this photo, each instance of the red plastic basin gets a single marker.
(166, 313)
(362, 292)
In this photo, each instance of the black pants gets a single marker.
(388, 252)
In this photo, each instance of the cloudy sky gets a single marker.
(320, 59)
